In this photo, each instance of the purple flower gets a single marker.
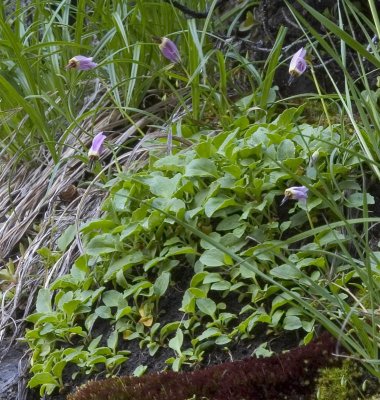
(295, 193)
(298, 64)
(81, 63)
(97, 146)
(170, 50)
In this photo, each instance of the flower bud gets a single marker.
(169, 50)
(81, 63)
(97, 146)
(295, 193)
(298, 64)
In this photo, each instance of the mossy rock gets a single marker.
(347, 382)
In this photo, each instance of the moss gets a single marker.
(346, 383)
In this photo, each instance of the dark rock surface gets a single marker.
(13, 362)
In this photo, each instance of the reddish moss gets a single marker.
(282, 376)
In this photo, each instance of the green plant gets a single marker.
(352, 44)
(211, 214)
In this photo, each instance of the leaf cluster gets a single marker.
(228, 187)
(251, 379)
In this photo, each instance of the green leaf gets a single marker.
(197, 278)
(169, 328)
(103, 312)
(287, 116)
(58, 368)
(223, 285)
(272, 65)
(356, 200)
(66, 238)
(80, 270)
(201, 167)
(69, 307)
(130, 229)
(286, 271)
(212, 258)
(262, 350)
(42, 378)
(176, 250)
(196, 292)
(89, 322)
(161, 284)
(162, 186)
(124, 263)
(230, 223)
(177, 364)
(171, 163)
(207, 306)
(280, 300)
(113, 340)
(101, 244)
(140, 370)
(286, 150)
(205, 149)
(222, 340)
(308, 338)
(120, 198)
(112, 298)
(217, 203)
(121, 312)
(212, 278)
(176, 342)
(43, 303)
(292, 322)
(94, 343)
(209, 332)
(101, 224)
(331, 238)
(246, 271)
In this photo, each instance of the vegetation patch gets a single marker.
(228, 187)
(166, 200)
(251, 379)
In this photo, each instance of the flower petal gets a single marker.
(299, 193)
(298, 64)
(170, 50)
(97, 146)
(81, 63)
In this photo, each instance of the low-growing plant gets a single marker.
(227, 187)
(251, 379)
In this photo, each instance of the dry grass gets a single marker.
(33, 213)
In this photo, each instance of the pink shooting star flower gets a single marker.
(295, 193)
(96, 146)
(81, 63)
(298, 64)
(169, 50)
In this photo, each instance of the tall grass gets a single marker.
(349, 42)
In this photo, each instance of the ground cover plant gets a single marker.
(228, 186)
(209, 209)
(248, 379)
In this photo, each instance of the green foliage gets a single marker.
(43, 104)
(229, 380)
(227, 186)
(353, 45)
(195, 230)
